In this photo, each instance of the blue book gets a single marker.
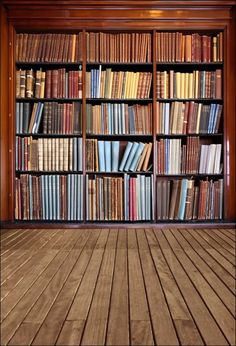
(54, 203)
(131, 156)
(110, 124)
(17, 117)
(167, 118)
(122, 108)
(215, 118)
(99, 81)
(107, 147)
(182, 201)
(21, 114)
(115, 151)
(101, 156)
(212, 111)
(68, 195)
(50, 197)
(136, 157)
(125, 156)
(80, 161)
(30, 198)
(58, 197)
(38, 118)
(46, 178)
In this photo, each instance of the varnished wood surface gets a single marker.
(118, 287)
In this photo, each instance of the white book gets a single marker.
(107, 149)
(203, 153)
(216, 169)
(125, 155)
(101, 156)
(115, 150)
(136, 158)
(210, 159)
(131, 156)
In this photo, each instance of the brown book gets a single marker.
(218, 93)
(188, 48)
(173, 199)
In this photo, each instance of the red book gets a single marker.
(218, 84)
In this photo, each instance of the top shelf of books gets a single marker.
(123, 48)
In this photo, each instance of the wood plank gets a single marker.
(218, 247)
(206, 324)
(83, 298)
(122, 239)
(221, 314)
(15, 243)
(228, 233)
(214, 253)
(7, 234)
(42, 307)
(141, 333)
(217, 285)
(22, 260)
(95, 329)
(178, 309)
(139, 310)
(228, 247)
(11, 323)
(72, 332)
(225, 277)
(163, 327)
(142, 240)
(228, 241)
(118, 323)
(132, 239)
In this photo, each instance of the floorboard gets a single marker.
(118, 287)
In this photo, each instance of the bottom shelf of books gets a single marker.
(117, 197)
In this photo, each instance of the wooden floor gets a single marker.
(118, 287)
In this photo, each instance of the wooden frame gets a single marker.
(91, 15)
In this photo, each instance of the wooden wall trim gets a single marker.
(4, 193)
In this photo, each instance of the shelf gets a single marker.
(49, 172)
(188, 175)
(48, 135)
(101, 100)
(32, 100)
(118, 173)
(46, 64)
(197, 100)
(190, 135)
(119, 64)
(119, 136)
(190, 64)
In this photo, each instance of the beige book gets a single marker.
(171, 92)
(146, 161)
(66, 154)
(40, 154)
(199, 110)
(70, 154)
(53, 150)
(186, 86)
(45, 154)
(57, 155)
(177, 84)
(49, 153)
(190, 86)
(73, 48)
(42, 86)
(61, 151)
(142, 157)
(110, 82)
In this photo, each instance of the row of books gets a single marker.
(190, 158)
(118, 47)
(187, 117)
(118, 84)
(58, 118)
(186, 200)
(48, 154)
(197, 84)
(115, 198)
(104, 198)
(111, 156)
(50, 84)
(180, 47)
(59, 197)
(47, 47)
(118, 118)
(49, 197)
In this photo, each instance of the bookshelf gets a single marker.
(129, 126)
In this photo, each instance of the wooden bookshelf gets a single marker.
(213, 19)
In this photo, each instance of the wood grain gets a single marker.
(119, 287)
